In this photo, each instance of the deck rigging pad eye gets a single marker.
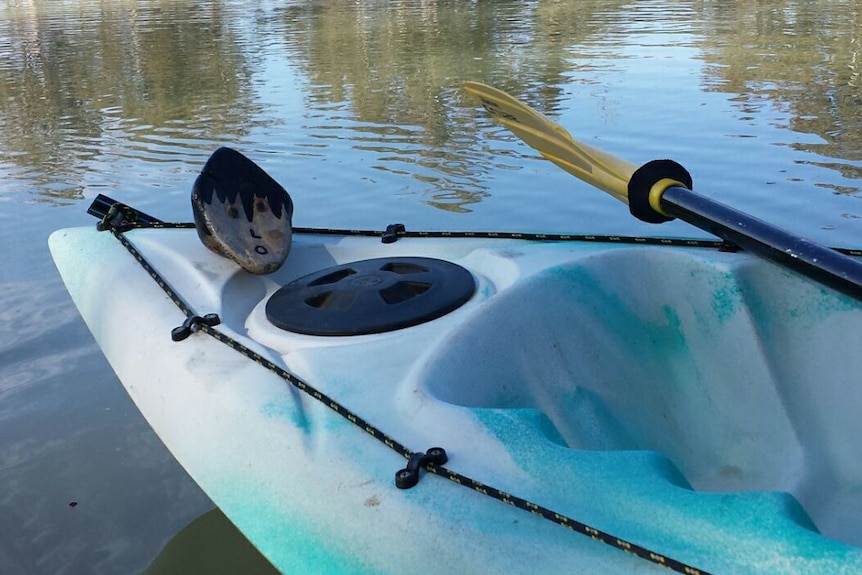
(370, 296)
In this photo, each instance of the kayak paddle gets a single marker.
(242, 213)
(660, 191)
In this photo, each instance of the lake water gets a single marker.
(356, 108)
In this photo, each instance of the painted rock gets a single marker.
(242, 213)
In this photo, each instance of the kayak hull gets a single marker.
(696, 403)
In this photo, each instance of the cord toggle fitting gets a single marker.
(193, 324)
(392, 232)
(409, 476)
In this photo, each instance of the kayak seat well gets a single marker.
(707, 361)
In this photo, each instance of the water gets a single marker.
(357, 109)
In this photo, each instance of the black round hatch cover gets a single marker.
(370, 296)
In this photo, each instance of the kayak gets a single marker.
(698, 404)
(361, 402)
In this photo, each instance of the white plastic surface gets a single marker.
(599, 381)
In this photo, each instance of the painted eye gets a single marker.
(232, 211)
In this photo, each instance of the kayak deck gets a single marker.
(599, 381)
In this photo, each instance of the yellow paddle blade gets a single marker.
(593, 166)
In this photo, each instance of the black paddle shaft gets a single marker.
(808, 258)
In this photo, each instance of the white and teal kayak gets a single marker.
(701, 405)
(501, 405)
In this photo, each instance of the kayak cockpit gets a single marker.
(722, 365)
